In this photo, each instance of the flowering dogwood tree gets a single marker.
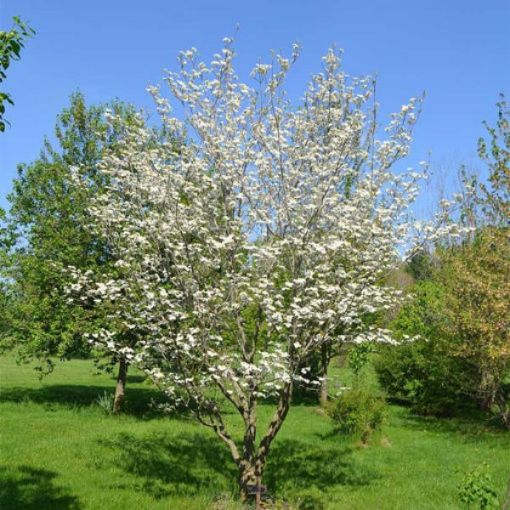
(265, 237)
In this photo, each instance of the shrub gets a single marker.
(427, 372)
(477, 491)
(359, 412)
(423, 375)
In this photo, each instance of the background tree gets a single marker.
(425, 372)
(495, 151)
(466, 355)
(45, 231)
(244, 249)
(11, 44)
(477, 279)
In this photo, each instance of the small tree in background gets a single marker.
(476, 275)
(495, 151)
(46, 230)
(425, 372)
(477, 279)
(243, 254)
(462, 307)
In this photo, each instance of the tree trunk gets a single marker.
(488, 389)
(251, 467)
(247, 466)
(250, 482)
(120, 389)
(323, 390)
(323, 393)
(247, 477)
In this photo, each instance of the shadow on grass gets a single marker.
(474, 428)
(167, 464)
(295, 464)
(192, 463)
(139, 401)
(132, 379)
(27, 488)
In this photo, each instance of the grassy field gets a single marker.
(59, 450)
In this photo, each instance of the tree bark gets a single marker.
(247, 466)
(488, 390)
(251, 466)
(120, 388)
(247, 477)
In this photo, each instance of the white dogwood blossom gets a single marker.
(265, 236)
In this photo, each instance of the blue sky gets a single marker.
(458, 51)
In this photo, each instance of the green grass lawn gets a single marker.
(60, 451)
